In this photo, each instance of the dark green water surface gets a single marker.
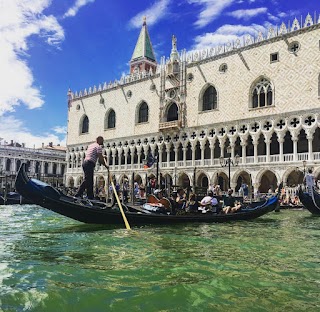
(51, 263)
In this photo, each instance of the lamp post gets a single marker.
(304, 164)
(228, 162)
(0, 173)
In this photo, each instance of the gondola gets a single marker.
(312, 204)
(96, 212)
(13, 198)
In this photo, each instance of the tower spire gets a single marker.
(143, 57)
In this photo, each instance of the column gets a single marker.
(221, 143)
(281, 140)
(202, 147)
(193, 149)
(267, 141)
(113, 151)
(211, 151)
(119, 157)
(184, 149)
(132, 150)
(108, 156)
(295, 148)
(244, 152)
(168, 154)
(310, 151)
(139, 155)
(255, 149)
(160, 155)
(176, 155)
(125, 157)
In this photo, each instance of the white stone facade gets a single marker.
(272, 140)
(46, 164)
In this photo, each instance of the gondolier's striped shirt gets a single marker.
(92, 152)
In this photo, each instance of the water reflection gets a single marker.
(271, 263)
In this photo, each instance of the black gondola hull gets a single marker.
(308, 202)
(99, 213)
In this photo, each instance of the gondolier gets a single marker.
(93, 153)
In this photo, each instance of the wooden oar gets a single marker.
(117, 198)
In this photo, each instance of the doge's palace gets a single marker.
(247, 111)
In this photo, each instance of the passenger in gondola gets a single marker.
(181, 200)
(230, 204)
(173, 202)
(192, 204)
(210, 203)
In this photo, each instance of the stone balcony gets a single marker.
(168, 125)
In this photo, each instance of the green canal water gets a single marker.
(51, 263)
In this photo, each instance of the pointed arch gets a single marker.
(262, 147)
(302, 144)
(208, 98)
(110, 120)
(207, 150)
(287, 144)
(316, 141)
(274, 144)
(143, 112)
(172, 112)
(84, 124)
(249, 146)
(261, 93)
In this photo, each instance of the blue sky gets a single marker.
(48, 46)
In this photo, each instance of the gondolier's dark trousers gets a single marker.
(88, 169)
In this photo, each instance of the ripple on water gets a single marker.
(51, 263)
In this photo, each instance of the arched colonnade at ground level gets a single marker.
(260, 180)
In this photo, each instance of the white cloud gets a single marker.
(20, 19)
(153, 14)
(225, 34)
(211, 10)
(14, 129)
(75, 8)
(60, 129)
(247, 14)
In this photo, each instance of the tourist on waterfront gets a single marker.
(93, 153)
(309, 180)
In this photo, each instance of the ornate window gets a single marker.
(223, 68)
(209, 99)
(85, 124)
(111, 120)
(262, 94)
(143, 115)
(294, 47)
(172, 112)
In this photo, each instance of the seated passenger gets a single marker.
(158, 193)
(181, 199)
(229, 203)
(210, 202)
(192, 204)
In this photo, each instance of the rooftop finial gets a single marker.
(144, 21)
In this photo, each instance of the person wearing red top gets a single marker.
(93, 153)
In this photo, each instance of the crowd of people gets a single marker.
(180, 203)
